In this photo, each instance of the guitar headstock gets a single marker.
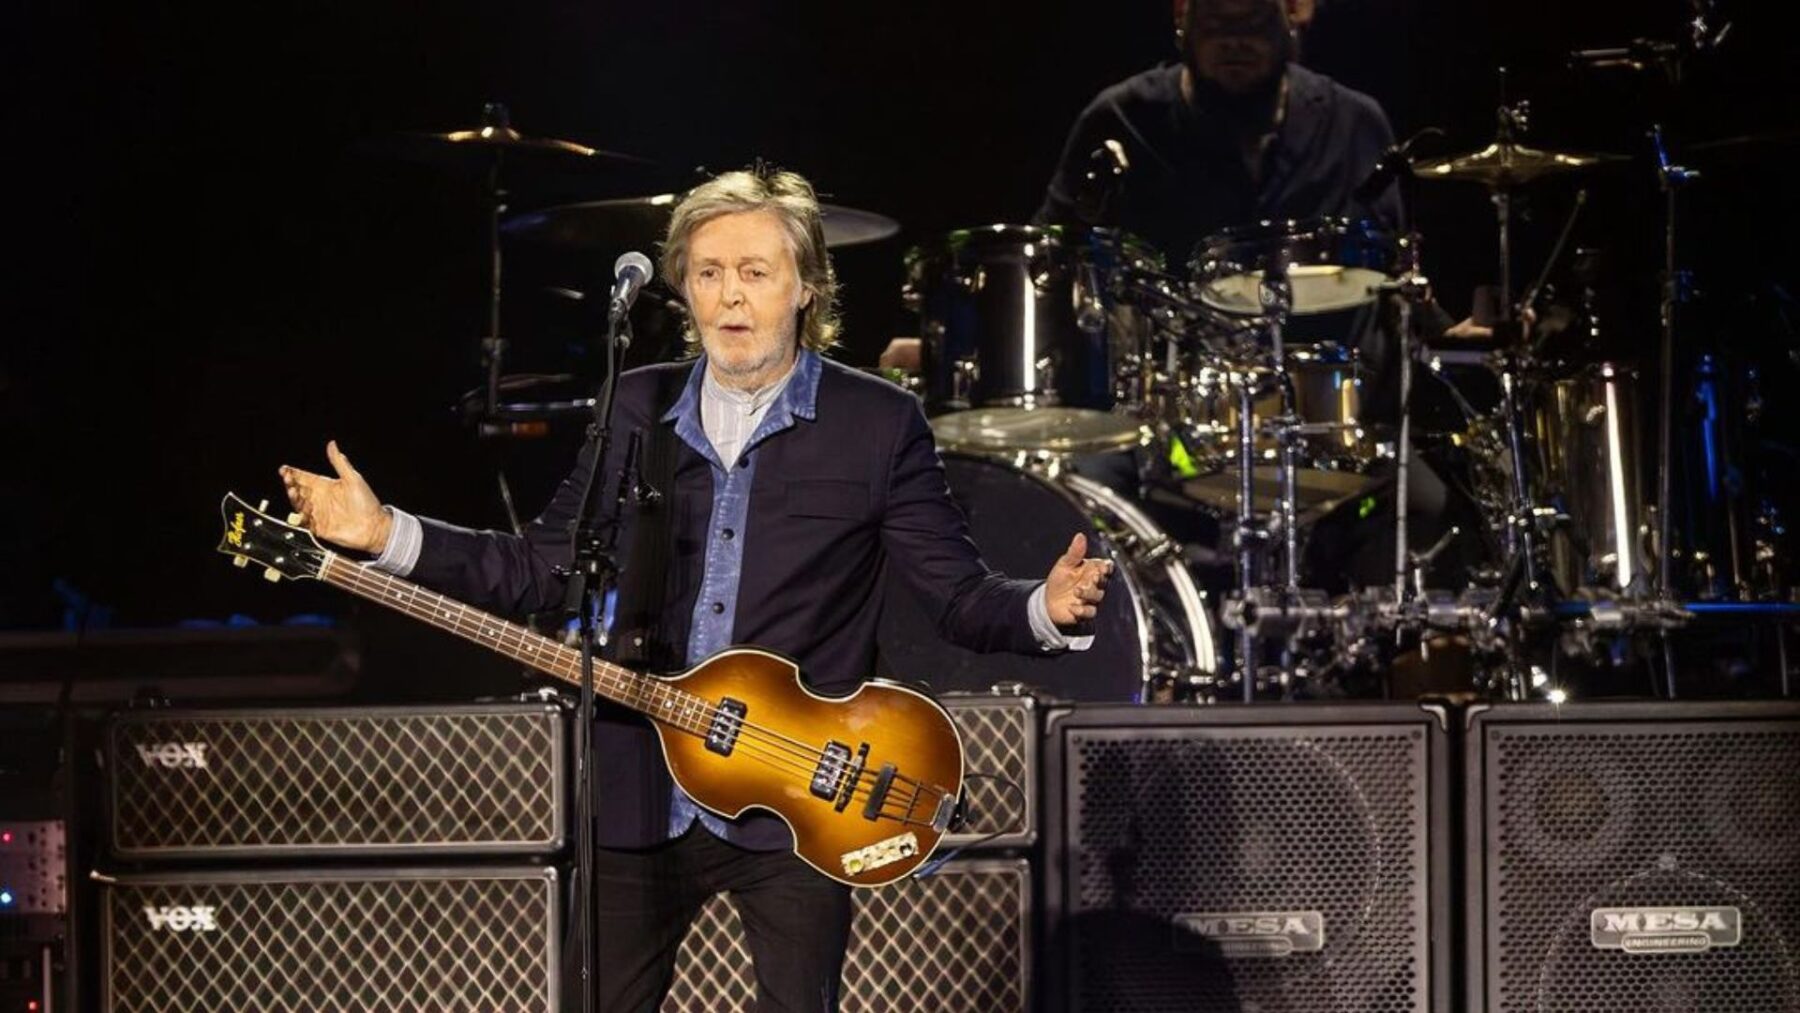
(282, 549)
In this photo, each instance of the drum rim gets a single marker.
(1083, 495)
(1124, 439)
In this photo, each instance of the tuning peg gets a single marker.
(295, 518)
(272, 575)
(240, 561)
(262, 507)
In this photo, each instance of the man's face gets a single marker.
(1239, 45)
(744, 291)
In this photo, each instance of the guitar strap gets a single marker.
(638, 618)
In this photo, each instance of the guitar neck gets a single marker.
(641, 693)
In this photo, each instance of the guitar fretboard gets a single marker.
(654, 697)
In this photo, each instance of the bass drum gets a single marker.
(1153, 638)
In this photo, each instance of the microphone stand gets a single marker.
(592, 575)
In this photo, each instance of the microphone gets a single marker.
(1395, 162)
(631, 272)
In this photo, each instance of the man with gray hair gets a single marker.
(795, 484)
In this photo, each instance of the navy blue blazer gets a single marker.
(838, 499)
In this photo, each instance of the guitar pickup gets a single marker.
(727, 720)
(830, 771)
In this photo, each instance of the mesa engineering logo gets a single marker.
(1665, 929)
(1251, 933)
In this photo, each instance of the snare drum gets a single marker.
(1334, 448)
(1019, 341)
(1153, 635)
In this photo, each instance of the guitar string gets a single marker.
(799, 758)
(802, 751)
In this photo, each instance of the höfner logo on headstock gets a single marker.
(1666, 929)
(1254, 933)
(173, 755)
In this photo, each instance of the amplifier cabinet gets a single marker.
(956, 941)
(388, 939)
(363, 781)
(1000, 735)
(1633, 856)
(1230, 858)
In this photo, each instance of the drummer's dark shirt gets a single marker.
(1187, 178)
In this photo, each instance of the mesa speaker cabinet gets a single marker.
(390, 939)
(1232, 858)
(1641, 856)
(956, 941)
(225, 784)
(1000, 735)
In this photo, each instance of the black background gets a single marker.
(209, 277)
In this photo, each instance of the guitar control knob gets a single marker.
(262, 506)
(295, 518)
(240, 561)
(272, 575)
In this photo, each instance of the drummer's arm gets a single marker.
(926, 538)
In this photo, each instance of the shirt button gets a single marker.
(718, 607)
(727, 533)
(744, 461)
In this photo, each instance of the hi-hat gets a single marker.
(1503, 164)
(635, 222)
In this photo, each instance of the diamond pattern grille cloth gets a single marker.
(336, 781)
(999, 736)
(953, 942)
(460, 942)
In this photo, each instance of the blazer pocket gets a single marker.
(824, 497)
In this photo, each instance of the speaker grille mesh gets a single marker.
(348, 780)
(1171, 822)
(1594, 816)
(1000, 739)
(454, 940)
(953, 942)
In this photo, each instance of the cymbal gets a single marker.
(480, 148)
(1504, 164)
(636, 222)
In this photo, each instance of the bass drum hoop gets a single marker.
(1157, 548)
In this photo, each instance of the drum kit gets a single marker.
(1076, 377)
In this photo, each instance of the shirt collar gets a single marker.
(799, 398)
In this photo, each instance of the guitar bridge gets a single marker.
(884, 782)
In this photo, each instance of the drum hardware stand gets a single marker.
(1671, 178)
(493, 346)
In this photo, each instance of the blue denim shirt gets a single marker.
(715, 609)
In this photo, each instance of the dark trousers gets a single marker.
(796, 921)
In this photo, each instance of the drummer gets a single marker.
(1234, 133)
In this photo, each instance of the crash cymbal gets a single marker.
(483, 147)
(1503, 164)
(637, 222)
